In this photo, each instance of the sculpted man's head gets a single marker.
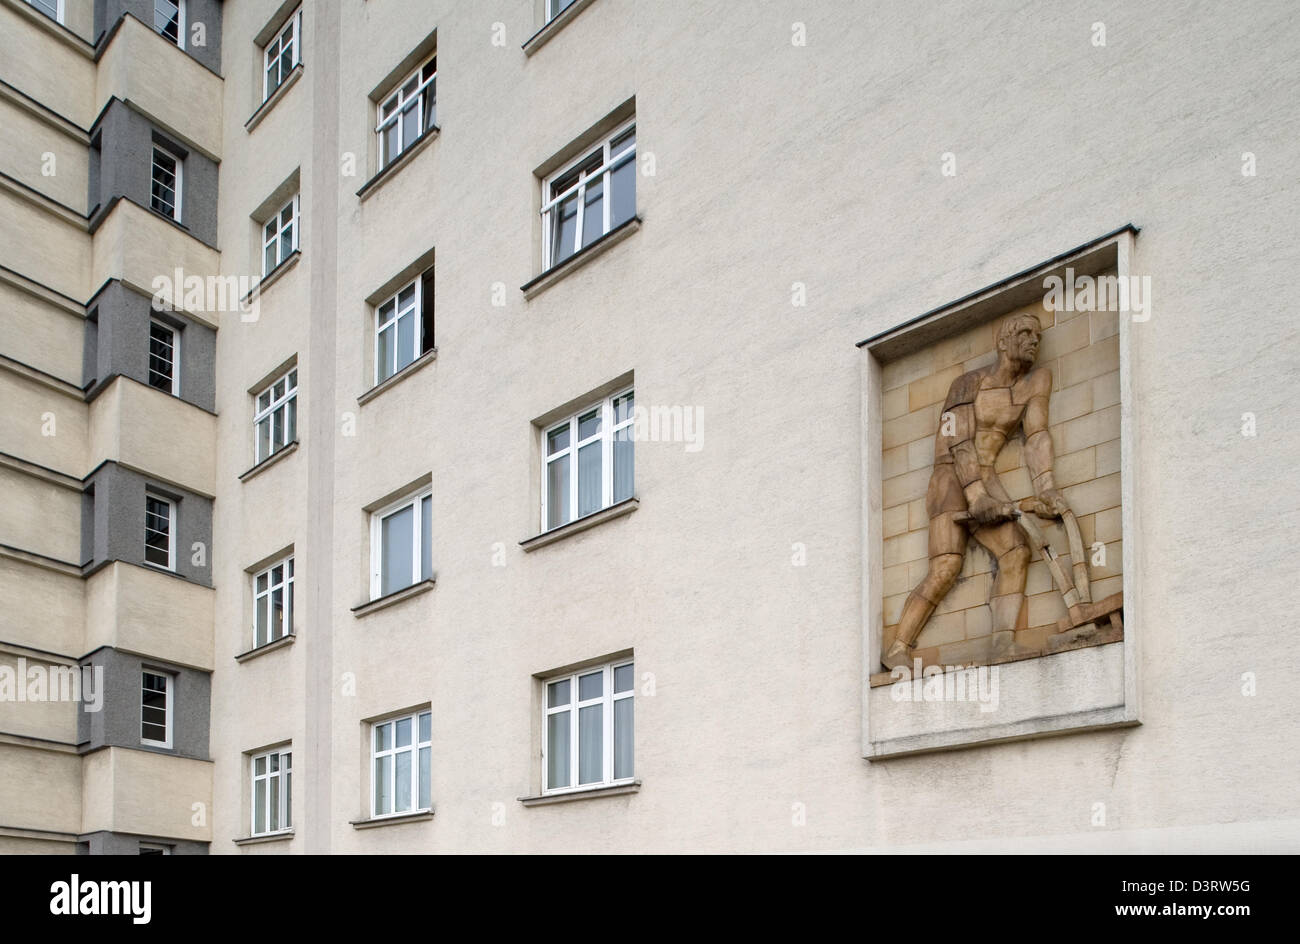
(1018, 339)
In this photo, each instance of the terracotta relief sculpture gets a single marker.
(966, 499)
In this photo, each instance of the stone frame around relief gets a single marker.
(1076, 690)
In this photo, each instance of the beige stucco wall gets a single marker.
(137, 246)
(37, 153)
(41, 607)
(45, 65)
(41, 334)
(163, 82)
(41, 789)
(135, 608)
(755, 661)
(146, 793)
(147, 429)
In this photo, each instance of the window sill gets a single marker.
(420, 817)
(269, 837)
(286, 640)
(274, 275)
(270, 460)
(617, 789)
(397, 596)
(625, 507)
(266, 106)
(428, 357)
(580, 258)
(418, 145)
(543, 35)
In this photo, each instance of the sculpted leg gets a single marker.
(947, 549)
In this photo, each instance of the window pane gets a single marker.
(277, 613)
(424, 778)
(425, 720)
(383, 789)
(405, 339)
(588, 425)
(557, 439)
(591, 686)
(622, 183)
(286, 242)
(557, 750)
(291, 421)
(274, 812)
(591, 732)
(166, 18)
(264, 438)
(259, 806)
(430, 105)
(623, 738)
(261, 622)
(589, 478)
(288, 796)
(259, 766)
(557, 693)
(386, 352)
(402, 789)
(402, 733)
(398, 544)
(277, 429)
(557, 492)
(383, 736)
(624, 678)
(624, 461)
(391, 142)
(593, 212)
(426, 538)
(410, 123)
(564, 218)
(623, 408)
(268, 260)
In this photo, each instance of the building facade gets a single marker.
(441, 427)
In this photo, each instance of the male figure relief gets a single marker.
(982, 410)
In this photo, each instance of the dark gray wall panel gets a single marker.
(117, 723)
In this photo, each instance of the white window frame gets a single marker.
(180, 23)
(168, 702)
(295, 221)
(290, 378)
(180, 178)
(286, 587)
(607, 697)
(417, 335)
(285, 774)
(292, 28)
(58, 9)
(171, 530)
(176, 357)
(398, 99)
(390, 757)
(570, 454)
(415, 500)
(603, 171)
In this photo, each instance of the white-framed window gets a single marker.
(400, 758)
(272, 792)
(588, 728)
(589, 196)
(408, 112)
(589, 461)
(164, 357)
(282, 54)
(156, 708)
(401, 536)
(404, 326)
(275, 419)
(280, 236)
(153, 848)
(168, 171)
(273, 603)
(160, 531)
(169, 20)
(51, 8)
(555, 7)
